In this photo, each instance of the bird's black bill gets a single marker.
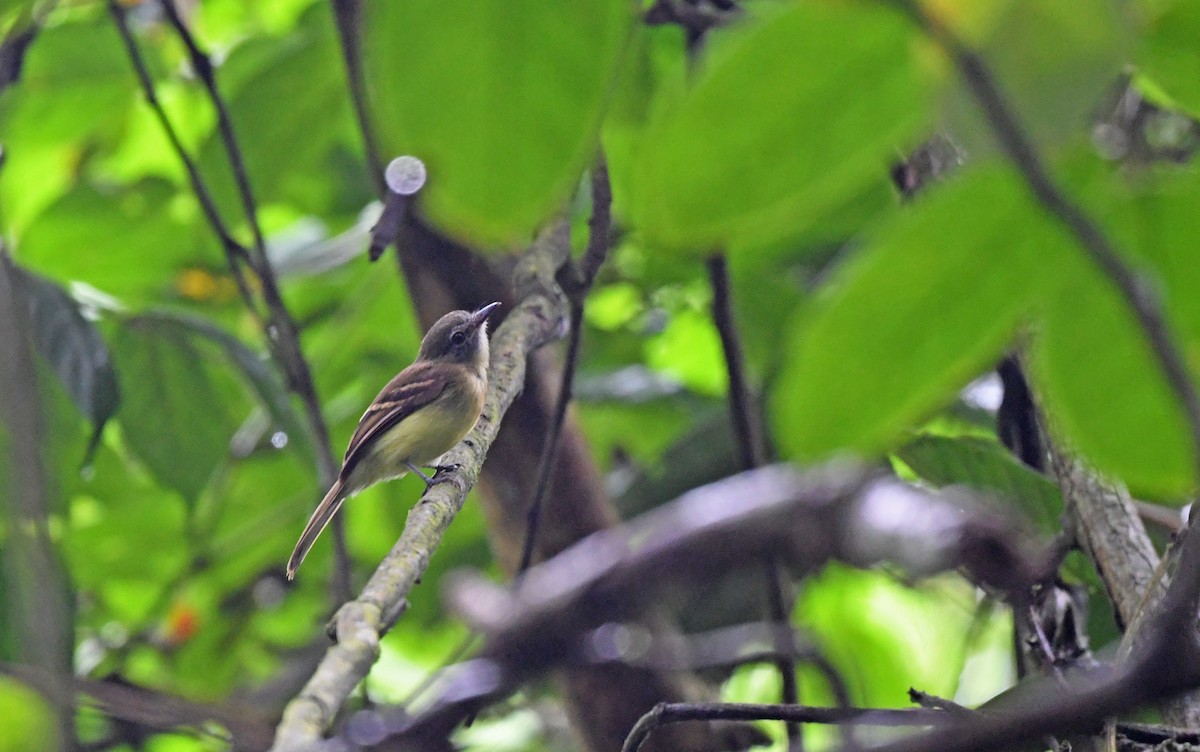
(482, 314)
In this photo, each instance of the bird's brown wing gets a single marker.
(407, 392)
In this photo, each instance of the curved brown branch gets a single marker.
(835, 512)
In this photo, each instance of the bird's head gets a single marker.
(459, 337)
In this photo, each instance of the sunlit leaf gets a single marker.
(502, 101)
(291, 114)
(75, 81)
(32, 724)
(769, 134)
(126, 243)
(689, 349)
(108, 524)
(929, 302)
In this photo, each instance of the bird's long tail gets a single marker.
(320, 518)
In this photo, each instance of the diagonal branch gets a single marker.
(360, 623)
(347, 15)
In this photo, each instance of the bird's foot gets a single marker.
(441, 474)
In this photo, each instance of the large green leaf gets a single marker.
(73, 348)
(930, 301)
(126, 243)
(502, 100)
(173, 417)
(1103, 386)
(1169, 52)
(789, 114)
(1093, 362)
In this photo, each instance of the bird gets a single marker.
(417, 417)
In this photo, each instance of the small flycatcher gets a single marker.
(420, 415)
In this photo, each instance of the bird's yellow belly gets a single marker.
(419, 439)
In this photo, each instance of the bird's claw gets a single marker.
(441, 474)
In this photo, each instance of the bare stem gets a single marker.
(749, 441)
(600, 231)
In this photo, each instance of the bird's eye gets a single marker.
(458, 338)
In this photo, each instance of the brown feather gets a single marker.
(407, 392)
(316, 523)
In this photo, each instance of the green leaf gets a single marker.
(102, 547)
(1053, 61)
(262, 377)
(771, 133)
(1091, 360)
(931, 301)
(1169, 54)
(689, 349)
(1105, 389)
(73, 348)
(291, 116)
(984, 464)
(502, 101)
(126, 243)
(33, 725)
(173, 417)
(75, 82)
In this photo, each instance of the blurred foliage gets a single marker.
(862, 316)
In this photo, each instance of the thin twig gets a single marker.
(742, 411)
(779, 606)
(679, 712)
(235, 252)
(281, 331)
(347, 15)
(203, 67)
(600, 230)
(749, 442)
